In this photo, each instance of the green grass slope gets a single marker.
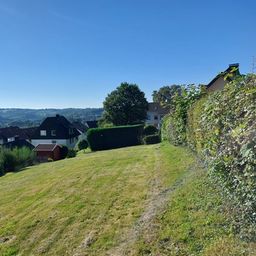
(144, 200)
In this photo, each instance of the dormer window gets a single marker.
(53, 132)
(43, 132)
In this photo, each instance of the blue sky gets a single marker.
(72, 53)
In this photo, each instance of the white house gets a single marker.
(155, 114)
(56, 130)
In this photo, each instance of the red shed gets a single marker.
(45, 151)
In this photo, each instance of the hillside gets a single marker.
(144, 200)
(31, 117)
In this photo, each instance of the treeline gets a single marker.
(221, 128)
(33, 117)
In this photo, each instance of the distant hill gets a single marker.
(31, 117)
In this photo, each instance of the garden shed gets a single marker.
(46, 151)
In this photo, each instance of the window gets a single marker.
(156, 117)
(54, 141)
(43, 132)
(53, 132)
(148, 117)
(71, 131)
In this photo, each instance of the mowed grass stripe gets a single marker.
(52, 207)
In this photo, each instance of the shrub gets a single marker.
(63, 151)
(151, 139)
(83, 144)
(115, 137)
(150, 130)
(175, 123)
(10, 160)
(71, 153)
(13, 160)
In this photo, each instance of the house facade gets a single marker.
(56, 130)
(155, 114)
(218, 82)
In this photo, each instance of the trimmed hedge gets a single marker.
(152, 139)
(114, 137)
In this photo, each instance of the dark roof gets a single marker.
(19, 143)
(156, 107)
(79, 126)
(14, 131)
(10, 131)
(92, 124)
(232, 69)
(46, 147)
(63, 128)
(29, 131)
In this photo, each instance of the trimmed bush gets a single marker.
(83, 144)
(63, 151)
(71, 153)
(13, 160)
(152, 139)
(150, 130)
(114, 137)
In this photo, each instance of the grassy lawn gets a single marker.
(144, 200)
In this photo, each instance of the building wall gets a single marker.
(36, 142)
(217, 85)
(154, 118)
(45, 155)
(56, 154)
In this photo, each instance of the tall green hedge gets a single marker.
(221, 127)
(114, 137)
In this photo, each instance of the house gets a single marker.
(11, 133)
(91, 124)
(3, 139)
(155, 114)
(218, 82)
(80, 127)
(48, 151)
(56, 130)
(18, 143)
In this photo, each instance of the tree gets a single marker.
(125, 105)
(164, 96)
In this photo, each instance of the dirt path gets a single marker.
(158, 198)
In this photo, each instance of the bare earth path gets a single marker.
(157, 201)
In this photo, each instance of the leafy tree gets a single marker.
(125, 105)
(165, 95)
